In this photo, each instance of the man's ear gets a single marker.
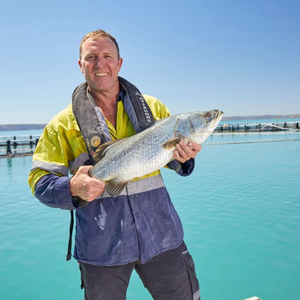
(80, 66)
(120, 63)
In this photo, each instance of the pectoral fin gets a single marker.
(171, 143)
(114, 189)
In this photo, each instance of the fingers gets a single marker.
(197, 147)
(84, 169)
(85, 187)
(184, 152)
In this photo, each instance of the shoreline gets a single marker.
(291, 117)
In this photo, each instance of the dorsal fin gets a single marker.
(100, 152)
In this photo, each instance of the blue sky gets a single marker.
(242, 57)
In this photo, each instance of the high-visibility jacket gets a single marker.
(139, 224)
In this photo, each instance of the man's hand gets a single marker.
(84, 186)
(184, 152)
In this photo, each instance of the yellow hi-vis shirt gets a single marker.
(61, 147)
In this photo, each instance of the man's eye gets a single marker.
(90, 57)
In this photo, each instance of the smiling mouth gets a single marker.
(101, 74)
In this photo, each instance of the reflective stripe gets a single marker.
(52, 168)
(139, 186)
(79, 161)
(196, 295)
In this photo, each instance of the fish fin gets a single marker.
(114, 188)
(171, 143)
(101, 150)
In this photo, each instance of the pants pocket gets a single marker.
(81, 276)
(192, 275)
(82, 281)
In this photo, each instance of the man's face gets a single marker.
(100, 65)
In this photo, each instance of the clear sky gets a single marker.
(242, 57)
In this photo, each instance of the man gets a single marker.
(139, 229)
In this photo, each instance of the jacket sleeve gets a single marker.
(184, 169)
(48, 177)
(54, 191)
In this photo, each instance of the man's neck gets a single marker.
(108, 104)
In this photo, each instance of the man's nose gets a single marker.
(100, 61)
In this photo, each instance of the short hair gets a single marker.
(95, 34)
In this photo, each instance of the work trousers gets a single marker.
(168, 276)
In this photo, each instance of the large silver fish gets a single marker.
(123, 160)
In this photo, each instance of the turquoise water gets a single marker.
(240, 210)
(4, 135)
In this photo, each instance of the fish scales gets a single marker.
(139, 155)
(151, 149)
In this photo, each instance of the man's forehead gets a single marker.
(102, 42)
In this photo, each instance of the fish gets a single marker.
(121, 161)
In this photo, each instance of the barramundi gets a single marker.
(121, 161)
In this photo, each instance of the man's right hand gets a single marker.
(84, 186)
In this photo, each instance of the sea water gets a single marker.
(240, 210)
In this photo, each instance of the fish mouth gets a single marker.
(214, 118)
(213, 115)
(218, 113)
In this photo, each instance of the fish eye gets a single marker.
(208, 115)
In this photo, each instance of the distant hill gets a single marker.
(10, 127)
(294, 116)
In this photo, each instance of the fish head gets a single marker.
(202, 124)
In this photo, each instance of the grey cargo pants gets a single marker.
(168, 276)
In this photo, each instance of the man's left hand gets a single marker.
(184, 152)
